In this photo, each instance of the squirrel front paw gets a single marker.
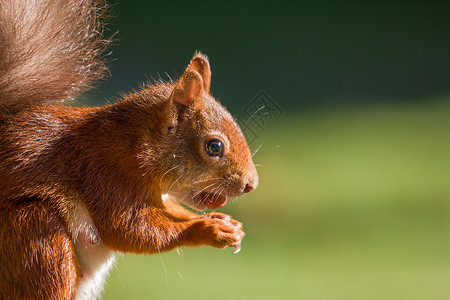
(222, 231)
(225, 218)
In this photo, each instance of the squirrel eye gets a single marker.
(214, 148)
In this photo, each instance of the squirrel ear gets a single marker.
(200, 64)
(189, 89)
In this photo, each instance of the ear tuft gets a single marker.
(197, 53)
(200, 64)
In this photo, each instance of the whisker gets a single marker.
(213, 191)
(206, 180)
(254, 121)
(252, 115)
(203, 190)
(170, 188)
(234, 199)
(257, 149)
(160, 180)
(220, 193)
(268, 149)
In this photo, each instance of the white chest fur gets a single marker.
(95, 266)
(94, 258)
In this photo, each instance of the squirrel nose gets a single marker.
(252, 181)
(248, 188)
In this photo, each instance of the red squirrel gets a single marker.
(80, 184)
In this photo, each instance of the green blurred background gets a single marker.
(354, 195)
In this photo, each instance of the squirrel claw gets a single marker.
(238, 248)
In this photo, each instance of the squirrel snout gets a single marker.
(252, 181)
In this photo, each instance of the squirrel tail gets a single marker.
(50, 50)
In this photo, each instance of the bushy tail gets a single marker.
(50, 50)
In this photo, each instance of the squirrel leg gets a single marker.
(37, 257)
(154, 230)
(177, 210)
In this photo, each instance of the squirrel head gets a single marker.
(205, 157)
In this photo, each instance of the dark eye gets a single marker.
(214, 148)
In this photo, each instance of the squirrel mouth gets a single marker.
(213, 201)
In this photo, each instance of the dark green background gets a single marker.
(304, 54)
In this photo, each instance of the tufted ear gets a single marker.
(200, 64)
(194, 82)
(189, 89)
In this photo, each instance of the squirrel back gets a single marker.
(50, 51)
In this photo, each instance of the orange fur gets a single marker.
(79, 183)
(37, 258)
